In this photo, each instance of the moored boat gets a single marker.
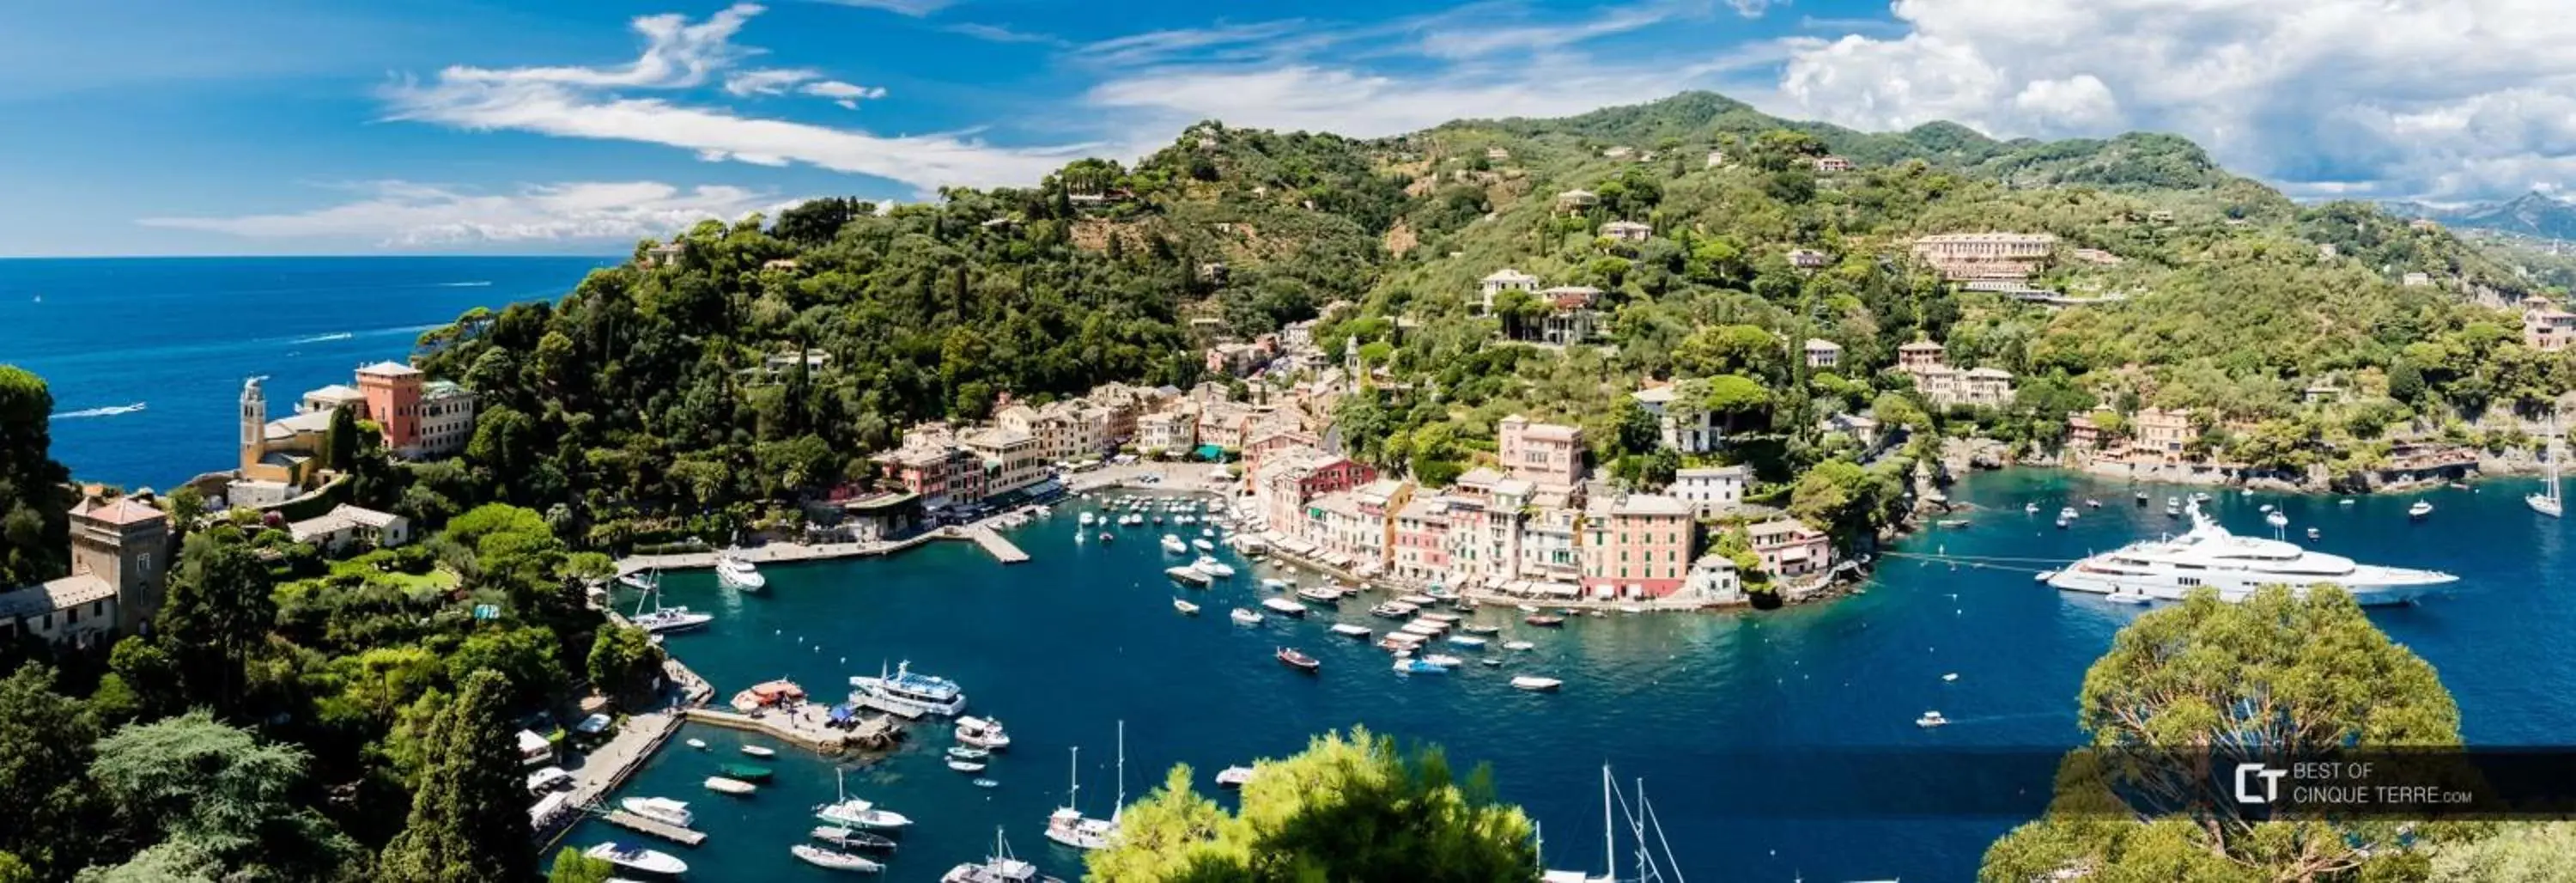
(1481, 629)
(1536, 684)
(736, 572)
(1245, 617)
(965, 766)
(1419, 667)
(1203, 545)
(722, 785)
(638, 858)
(1320, 594)
(1284, 607)
(1293, 658)
(660, 809)
(2209, 557)
(1468, 641)
(759, 751)
(961, 752)
(1189, 576)
(1208, 564)
(1186, 608)
(1349, 630)
(851, 838)
(2420, 510)
(1000, 867)
(745, 772)
(1174, 545)
(1393, 609)
(984, 733)
(933, 695)
(1519, 645)
(853, 812)
(1545, 622)
(1233, 776)
(835, 860)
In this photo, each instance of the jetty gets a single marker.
(1001, 549)
(657, 828)
(808, 727)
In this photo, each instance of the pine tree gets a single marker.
(469, 822)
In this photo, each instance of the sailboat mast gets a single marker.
(1073, 798)
(1121, 805)
(1609, 840)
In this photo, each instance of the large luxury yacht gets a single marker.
(2170, 567)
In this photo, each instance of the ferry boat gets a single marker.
(2170, 567)
(659, 809)
(853, 812)
(1208, 564)
(930, 694)
(637, 858)
(1000, 867)
(738, 574)
(838, 861)
(984, 733)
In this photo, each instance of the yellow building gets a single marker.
(282, 451)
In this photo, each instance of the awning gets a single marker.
(844, 712)
(1562, 590)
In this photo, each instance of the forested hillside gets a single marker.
(644, 394)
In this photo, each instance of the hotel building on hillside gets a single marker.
(1636, 547)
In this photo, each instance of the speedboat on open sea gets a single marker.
(2170, 567)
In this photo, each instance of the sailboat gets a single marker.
(664, 619)
(1654, 861)
(1000, 867)
(1067, 825)
(2547, 502)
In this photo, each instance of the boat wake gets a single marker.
(486, 283)
(109, 411)
(324, 338)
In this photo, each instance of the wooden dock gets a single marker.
(992, 542)
(657, 828)
(806, 728)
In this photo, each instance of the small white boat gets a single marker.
(2277, 519)
(1275, 584)
(1631, 608)
(1536, 684)
(1208, 564)
(1203, 545)
(1186, 608)
(2067, 513)
(2313, 533)
(961, 752)
(1187, 575)
(1931, 719)
(1518, 645)
(660, 809)
(1174, 545)
(1088, 518)
(965, 766)
(1284, 607)
(638, 580)
(1233, 776)
(722, 785)
(650, 861)
(1949, 677)
(699, 744)
(1443, 660)
(2092, 504)
(2267, 507)
(838, 861)
(1321, 594)
(1470, 642)
(2419, 510)
(1348, 630)
(758, 751)
(1245, 617)
(984, 733)
(1207, 532)
(1419, 667)
(2063, 522)
(1526, 608)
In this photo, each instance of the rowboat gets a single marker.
(1291, 657)
(1186, 608)
(758, 751)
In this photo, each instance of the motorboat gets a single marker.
(851, 838)
(1481, 629)
(2420, 510)
(984, 733)
(1233, 776)
(1245, 617)
(2067, 514)
(746, 772)
(853, 812)
(1276, 584)
(2173, 502)
(1087, 519)
(1000, 867)
(759, 751)
(1321, 594)
(986, 783)
(737, 573)
(1107, 537)
(1418, 600)
(961, 752)
(1545, 622)
(1203, 545)
(737, 787)
(1952, 522)
(1470, 642)
(1443, 660)
(934, 695)
(1293, 658)
(1536, 684)
(1186, 608)
(1519, 645)
(1174, 545)
(2267, 507)
(2313, 533)
(1209, 532)
(1419, 667)
(966, 766)
(1189, 575)
(1348, 630)
(2277, 520)
(1284, 607)
(659, 809)
(2030, 508)
(1393, 609)
(2092, 504)
(835, 860)
(638, 858)
(1067, 825)
(1931, 719)
(1208, 564)
(2063, 522)
(699, 744)
(2173, 511)
(2170, 567)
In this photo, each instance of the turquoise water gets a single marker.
(1741, 724)
(178, 335)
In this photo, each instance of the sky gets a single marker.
(143, 127)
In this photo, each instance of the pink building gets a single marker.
(1421, 541)
(1545, 454)
(1637, 547)
(1789, 548)
(1292, 476)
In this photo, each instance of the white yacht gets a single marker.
(1000, 867)
(2547, 502)
(1067, 825)
(1174, 545)
(664, 619)
(1208, 564)
(853, 812)
(660, 809)
(2170, 567)
(737, 573)
(934, 695)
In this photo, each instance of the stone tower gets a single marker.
(127, 544)
(254, 424)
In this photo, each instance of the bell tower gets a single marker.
(254, 423)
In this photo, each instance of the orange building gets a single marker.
(393, 401)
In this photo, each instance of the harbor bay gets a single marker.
(1734, 720)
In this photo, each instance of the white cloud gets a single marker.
(1754, 8)
(1194, 45)
(768, 81)
(843, 94)
(2430, 98)
(1001, 34)
(914, 8)
(596, 103)
(401, 214)
(1473, 33)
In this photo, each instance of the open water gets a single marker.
(1775, 746)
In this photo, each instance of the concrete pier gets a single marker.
(1001, 549)
(657, 828)
(806, 727)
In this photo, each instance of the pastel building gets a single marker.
(1171, 431)
(1823, 353)
(1789, 548)
(1545, 454)
(1710, 491)
(393, 393)
(120, 554)
(1011, 459)
(941, 474)
(1420, 546)
(1499, 281)
(1636, 547)
(1695, 433)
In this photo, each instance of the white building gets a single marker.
(1822, 353)
(1175, 430)
(1710, 490)
(1627, 231)
(446, 418)
(1499, 281)
(1713, 580)
(1694, 432)
(345, 526)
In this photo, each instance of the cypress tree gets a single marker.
(469, 820)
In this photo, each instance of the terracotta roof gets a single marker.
(119, 511)
(390, 369)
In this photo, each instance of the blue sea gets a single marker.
(1774, 746)
(146, 356)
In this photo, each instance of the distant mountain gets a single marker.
(2531, 214)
